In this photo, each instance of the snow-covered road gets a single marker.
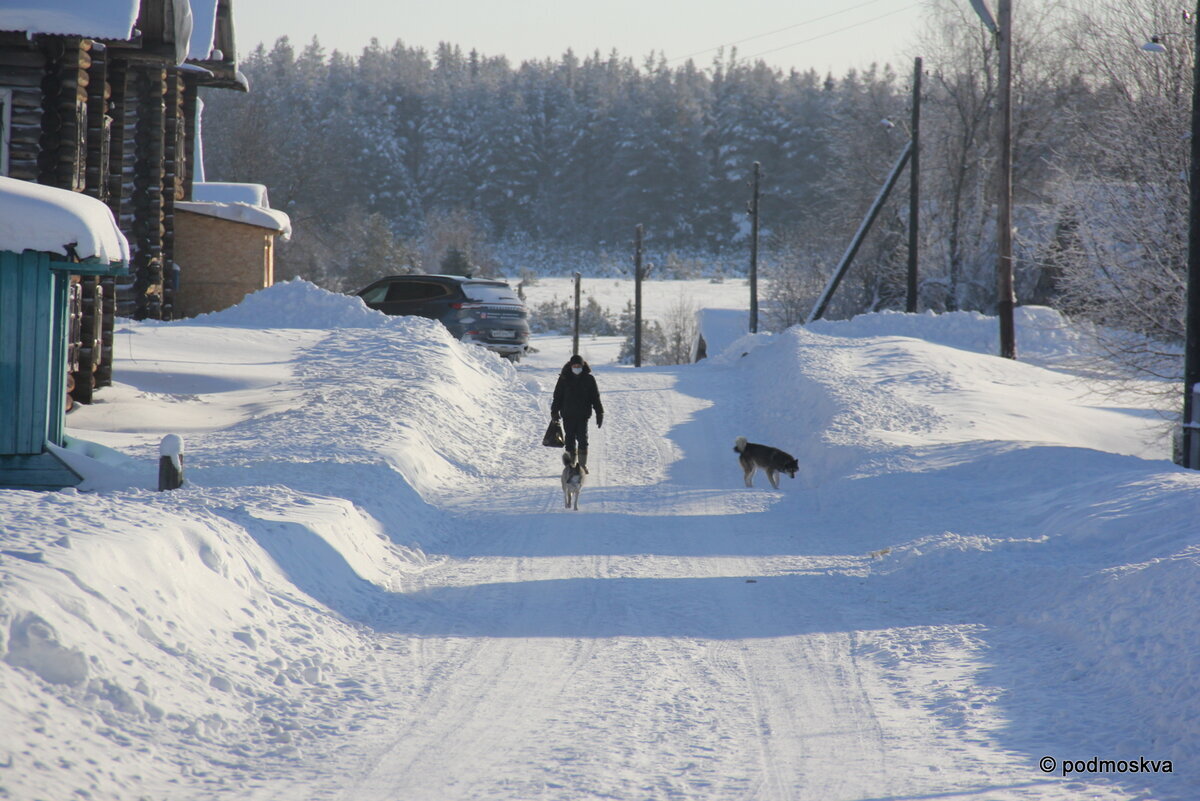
(679, 637)
(369, 589)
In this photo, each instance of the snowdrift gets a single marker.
(221, 614)
(1064, 533)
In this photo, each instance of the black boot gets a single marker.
(583, 459)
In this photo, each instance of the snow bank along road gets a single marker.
(370, 589)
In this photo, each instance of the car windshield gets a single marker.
(490, 293)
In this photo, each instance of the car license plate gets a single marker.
(503, 334)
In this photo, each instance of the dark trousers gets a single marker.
(575, 433)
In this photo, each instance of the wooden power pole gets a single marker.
(1006, 299)
(575, 337)
(1190, 455)
(914, 192)
(754, 252)
(637, 296)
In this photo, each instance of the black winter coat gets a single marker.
(576, 395)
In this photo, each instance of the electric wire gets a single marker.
(796, 25)
(830, 33)
(777, 30)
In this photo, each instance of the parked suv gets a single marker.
(478, 310)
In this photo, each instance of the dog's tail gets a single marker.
(739, 444)
(568, 459)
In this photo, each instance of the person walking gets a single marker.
(575, 396)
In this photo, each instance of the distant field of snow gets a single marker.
(368, 588)
(658, 297)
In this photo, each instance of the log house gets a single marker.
(110, 111)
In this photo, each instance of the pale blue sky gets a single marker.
(821, 34)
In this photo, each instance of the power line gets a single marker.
(779, 30)
(830, 33)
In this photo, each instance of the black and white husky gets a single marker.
(572, 480)
(753, 456)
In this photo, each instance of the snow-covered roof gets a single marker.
(204, 29)
(100, 19)
(48, 220)
(244, 203)
(212, 44)
(221, 192)
(97, 19)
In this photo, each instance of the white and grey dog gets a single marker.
(572, 480)
(753, 456)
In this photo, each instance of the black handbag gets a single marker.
(554, 435)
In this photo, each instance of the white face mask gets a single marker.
(576, 370)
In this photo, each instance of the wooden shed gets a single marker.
(46, 236)
(226, 237)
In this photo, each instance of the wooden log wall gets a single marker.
(117, 295)
(96, 167)
(175, 163)
(122, 157)
(150, 86)
(62, 151)
(99, 124)
(62, 163)
(22, 66)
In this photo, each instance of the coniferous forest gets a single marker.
(394, 157)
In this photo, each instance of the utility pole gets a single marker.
(914, 191)
(754, 253)
(637, 296)
(1005, 296)
(1191, 358)
(575, 337)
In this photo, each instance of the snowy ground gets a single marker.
(658, 297)
(368, 588)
